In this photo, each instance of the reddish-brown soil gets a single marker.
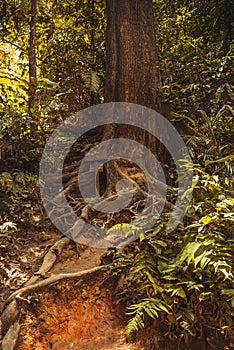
(70, 314)
(74, 315)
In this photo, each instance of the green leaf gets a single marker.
(203, 295)
(180, 293)
(189, 251)
(206, 219)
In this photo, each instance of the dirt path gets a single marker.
(75, 314)
(86, 321)
(71, 314)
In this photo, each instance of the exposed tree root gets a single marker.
(49, 260)
(100, 214)
(9, 326)
(52, 279)
(10, 340)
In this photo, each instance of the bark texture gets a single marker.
(132, 70)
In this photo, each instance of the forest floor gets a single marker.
(80, 313)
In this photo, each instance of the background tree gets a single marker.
(32, 57)
(65, 59)
(196, 68)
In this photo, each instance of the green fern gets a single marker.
(151, 307)
(92, 81)
(135, 323)
(125, 228)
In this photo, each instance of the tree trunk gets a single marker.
(32, 57)
(132, 69)
(132, 72)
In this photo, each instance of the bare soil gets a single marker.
(72, 314)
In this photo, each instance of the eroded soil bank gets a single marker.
(75, 315)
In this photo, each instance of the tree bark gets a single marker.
(132, 72)
(32, 57)
(132, 69)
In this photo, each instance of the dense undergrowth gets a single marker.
(185, 277)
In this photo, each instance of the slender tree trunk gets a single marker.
(228, 24)
(92, 49)
(32, 57)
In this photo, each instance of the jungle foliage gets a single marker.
(184, 278)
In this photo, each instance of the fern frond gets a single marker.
(135, 323)
(149, 306)
(92, 81)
